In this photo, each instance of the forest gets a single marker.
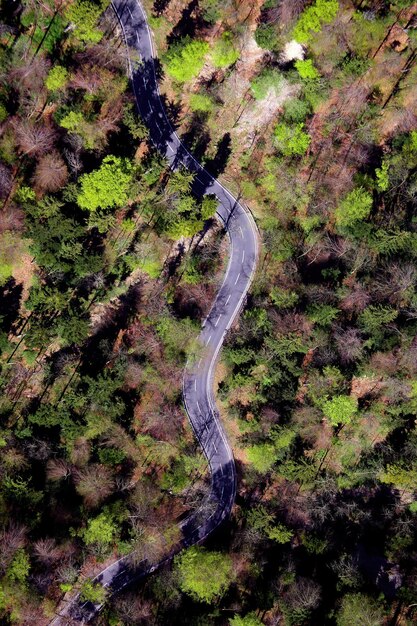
(307, 111)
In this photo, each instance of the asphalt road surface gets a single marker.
(198, 375)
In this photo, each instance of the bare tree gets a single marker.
(33, 139)
(58, 469)
(349, 344)
(51, 173)
(94, 483)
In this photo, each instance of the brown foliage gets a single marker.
(356, 301)
(5, 181)
(11, 218)
(51, 173)
(33, 139)
(349, 344)
(58, 469)
(46, 551)
(11, 539)
(94, 483)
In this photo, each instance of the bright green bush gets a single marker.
(92, 592)
(356, 206)
(224, 52)
(57, 78)
(73, 121)
(313, 18)
(306, 69)
(201, 102)
(204, 575)
(291, 140)
(185, 59)
(340, 409)
(106, 187)
(100, 530)
(84, 15)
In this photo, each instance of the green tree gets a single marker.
(19, 568)
(313, 18)
(340, 409)
(291, 140)
(357, 608)
(268, 81)
(56, 78)
(106, 187)
(100, 530)
(356, 206)
(84, 15)
(224, 52)
(185, 59)
(250, 619)
(266, 36)
(92, 592)
(201, 102)
(376, 316)
(306, 69)
(262, 456)
(204, 575)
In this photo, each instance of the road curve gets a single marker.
(198, 375)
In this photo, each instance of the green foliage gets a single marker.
(224, 52)
(313, 18)
(340, 409)
(359, 609)
(356, 206)
(72, 121)
(376, 316)
(402, 476)
(92, 592)
(291, 140)
(106, 187)
(268, 81)
(382, 176)
(262, 521)
(322, 314)
(201, 102)
(57, 78)
(306, 69)
(283, 298)
(266, 36)
(3, 112)
(250, 619)
(204, 575)
(262, 456)
(296, 110)
(18, 570)
(185, 59)
(100, 530)
(84, 15)
(111, 456)
(211, 10)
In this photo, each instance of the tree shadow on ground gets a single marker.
(159, 6)
(197, 138)
(187, 25)
(98, 349)
(10, 295)
(218, 163)
(173, 110)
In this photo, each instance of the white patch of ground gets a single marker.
(293, 51)
(260, 113)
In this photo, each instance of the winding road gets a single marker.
(198, 375)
